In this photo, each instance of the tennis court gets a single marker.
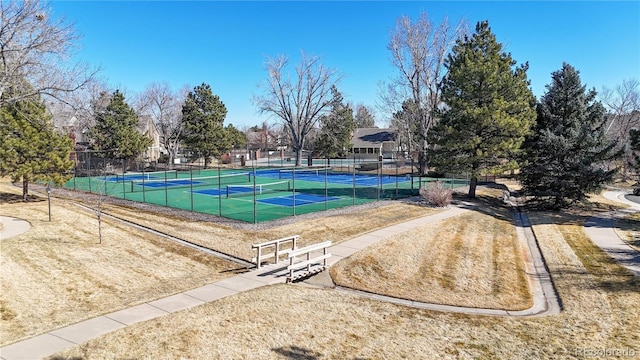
(256, 194)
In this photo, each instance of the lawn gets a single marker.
(473, 260)
(599, 297)
(288, 321)
(58, 273)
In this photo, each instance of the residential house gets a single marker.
(371, 143)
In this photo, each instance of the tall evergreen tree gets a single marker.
(237, 139)
(116, 133)
(565, 152)
(489, 108)
(30, 148)
(364, 118)
(336, 128)
(203, 116)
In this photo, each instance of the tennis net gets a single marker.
(287, 174)
(211, 181)
(152, 175)
(258, 189)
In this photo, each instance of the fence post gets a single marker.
(293, 180)
(190, 185)
(326, 191)
(219, 193)
(166, 191)
(124, 189)
(255, 199)
(354, 179)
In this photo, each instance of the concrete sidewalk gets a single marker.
(601, 232)
(13, 227)
(60, 339)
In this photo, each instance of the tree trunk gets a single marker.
(99, 227)
(422, 163)
(298, 155)
(472, 187)
(25, 187)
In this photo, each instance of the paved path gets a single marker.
(545, 301)
(13, 227)
(600, 230)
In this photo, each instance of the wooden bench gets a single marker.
(309, 261)
(278, 249)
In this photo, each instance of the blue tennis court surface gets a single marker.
(347, 179)
(300, 199)
(140, 177)
(159, 184)
(210, 192)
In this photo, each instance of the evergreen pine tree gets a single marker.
(489, 108)
(336, 128)
(116, 133)
(565, 152)
(203, 115)
(364, 118)
(31, 149)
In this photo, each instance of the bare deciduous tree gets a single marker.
(418, 51)
(298, 101)
(165, 108)
(36, 53)
(623, 107)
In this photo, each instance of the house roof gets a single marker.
(372, 137)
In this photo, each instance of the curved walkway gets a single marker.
(13, 227)
(600, 230)
(545, 299)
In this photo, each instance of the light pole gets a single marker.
(49, 199)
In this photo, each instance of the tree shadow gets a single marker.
(9, 198)
(296, 352)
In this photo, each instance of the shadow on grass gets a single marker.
(619, 283)
(296, 352)
(8, 198)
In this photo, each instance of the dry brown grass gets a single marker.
(628, 228)
(287, 321)
(58, 274)
(238, 242)
(473, 260)
(284, 321)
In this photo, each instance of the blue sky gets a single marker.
(224, 43)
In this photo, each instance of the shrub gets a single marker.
(225, 159)
(436, 194)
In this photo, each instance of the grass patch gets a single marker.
(238, 242)
(628, 228)
(473, 260)
(57, 274)
(299, 322)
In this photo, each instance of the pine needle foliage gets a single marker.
(488, 108)
(565, 155)
(30, 147)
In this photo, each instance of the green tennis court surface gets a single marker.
(255, 195)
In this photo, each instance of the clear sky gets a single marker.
(224, 43)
